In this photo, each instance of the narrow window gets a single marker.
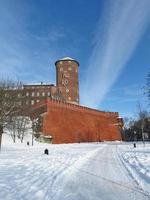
(27, 94)
(32, 94)
(32, 102)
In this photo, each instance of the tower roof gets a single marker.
(67, 59)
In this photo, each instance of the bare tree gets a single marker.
(11, 127)
(138, 128)
(142, 115)
(148, 87)
(23, 125)
(18, 127)
(126, 121)
(36, 127)
(10, 103)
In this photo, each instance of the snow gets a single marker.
(37, 84)
(137, 161)
(85, 171)
(67, 58)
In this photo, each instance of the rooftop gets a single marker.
(38, 84)
(67, 59)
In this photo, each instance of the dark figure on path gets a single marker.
(46, 151)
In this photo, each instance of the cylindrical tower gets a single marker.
(67, 79)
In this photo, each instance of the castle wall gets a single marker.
(69, 123)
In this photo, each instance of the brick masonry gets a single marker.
(70, 123)
(67, 80)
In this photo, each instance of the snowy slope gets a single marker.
(137, 161)
(87, 171)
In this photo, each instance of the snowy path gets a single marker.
(69, 172)
(102, 176)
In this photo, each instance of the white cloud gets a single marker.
(25, 53)
(119, 30)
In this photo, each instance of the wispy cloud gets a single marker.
(130, 93)
(119, 30)
(27, 50)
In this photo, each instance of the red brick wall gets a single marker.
(68, 123)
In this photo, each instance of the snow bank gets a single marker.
(26, 173)
(137, 161)
(85, 171)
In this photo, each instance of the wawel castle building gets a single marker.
(63, 119)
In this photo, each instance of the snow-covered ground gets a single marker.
(137, 162)
(85, 171)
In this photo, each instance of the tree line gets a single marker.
(138, 129)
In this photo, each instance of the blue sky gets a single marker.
(110, 39)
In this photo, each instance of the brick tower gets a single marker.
(67, 79)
